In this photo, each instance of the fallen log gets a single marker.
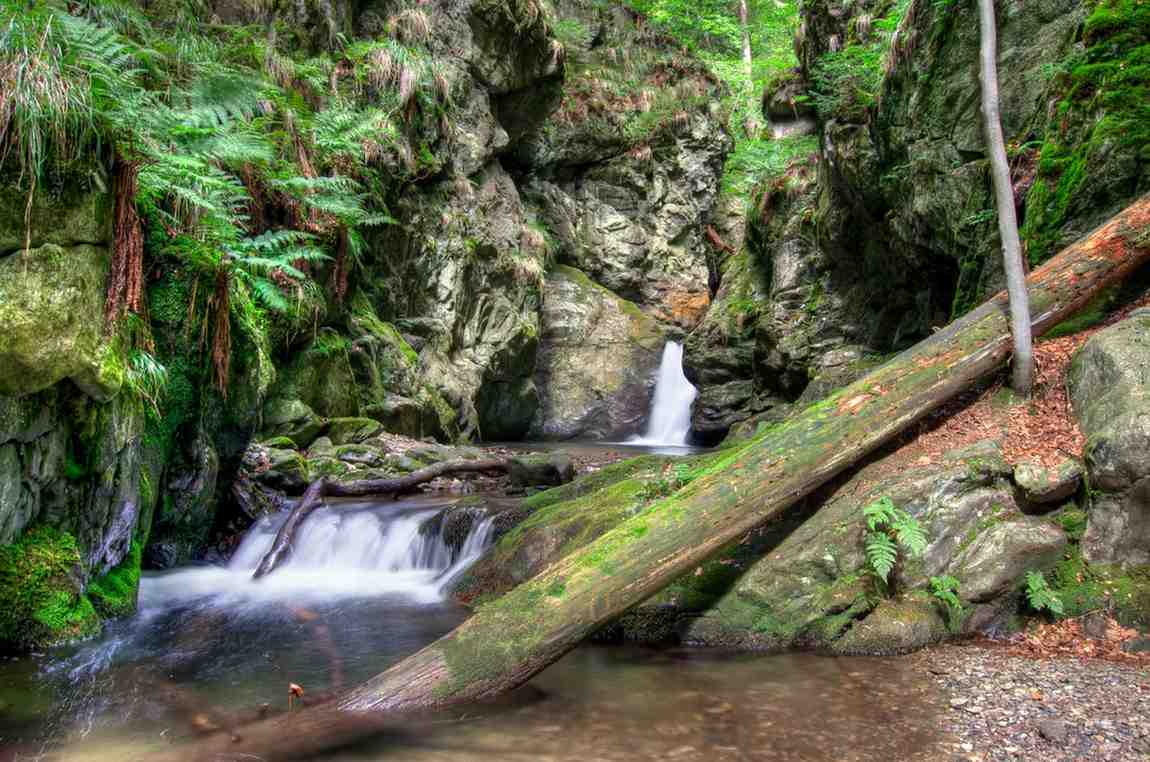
(320, 488)
(401, 484)
(509, 640)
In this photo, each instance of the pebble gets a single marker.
(1006, 707)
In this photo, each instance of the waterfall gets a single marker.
(670, 421)
(349, 550)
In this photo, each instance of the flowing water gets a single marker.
(670, 420)
(364, 589)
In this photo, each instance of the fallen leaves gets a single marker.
(1092, 636)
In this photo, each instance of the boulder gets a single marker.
(893, 627)
(597, 360)
(1109, 386)
(184, 521)
(550, 470)
(342, 431)
(1049, 486)
(293, 419)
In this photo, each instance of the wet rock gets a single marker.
(1109, 386)
(161, 555)
(550, 470)
(183, 522)
(1045, 486)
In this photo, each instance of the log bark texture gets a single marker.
(511, 639)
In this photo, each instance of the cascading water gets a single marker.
(345, 551)
(670, 421)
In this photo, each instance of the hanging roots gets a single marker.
(340, 271)
(220, 307)
(126, 283)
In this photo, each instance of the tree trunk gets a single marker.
(509, 640)
(1023, 371)
(753, 124)
(319, 489)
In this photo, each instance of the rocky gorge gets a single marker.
(555, 205)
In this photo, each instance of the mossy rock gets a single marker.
(51, 303)
(343, 431)
(894, 627)
(41, 595)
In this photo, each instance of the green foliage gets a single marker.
(890, 529)
(39, 602)
(670, 480)
(1104, 116)
(944, 590)
(146, 378)
(114, 594)
(1040, 596)
(845, 83)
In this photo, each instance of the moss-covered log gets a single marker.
(511, 639)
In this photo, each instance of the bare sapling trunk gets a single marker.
(513, 638)
(1022, 378)
(753, 123)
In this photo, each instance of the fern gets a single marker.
(1040, 596)
(944, 589)
(909, 533)
(879, 513)
(881, 554)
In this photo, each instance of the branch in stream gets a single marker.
(320, 488)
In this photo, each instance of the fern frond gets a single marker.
(879, 513)
(881, 553)
(909, 533)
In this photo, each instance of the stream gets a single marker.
(366, 588)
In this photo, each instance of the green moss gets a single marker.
(40, 603)
(1090, 315)
(114, 594)
(1084, 587)
(1102, 121)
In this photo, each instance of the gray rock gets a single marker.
(1046, 486)
(1109, 386)
(1055, 731)
(550, 470)
(597, 360)
(893, 627)
(284, 417)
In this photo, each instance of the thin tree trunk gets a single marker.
(1023, 370)
(753, 124)
(319, 489)
(511, 639)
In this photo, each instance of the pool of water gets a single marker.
(209, 643)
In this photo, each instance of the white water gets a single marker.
(670, 421)
(346, 551)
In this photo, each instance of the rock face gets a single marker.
(52, 297)
(1110, 388)
(625, 185)
(597, 360)
(884, 228)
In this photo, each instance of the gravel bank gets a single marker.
(1007, 707)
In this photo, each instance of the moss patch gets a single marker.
(114, 594)
(40, 599)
